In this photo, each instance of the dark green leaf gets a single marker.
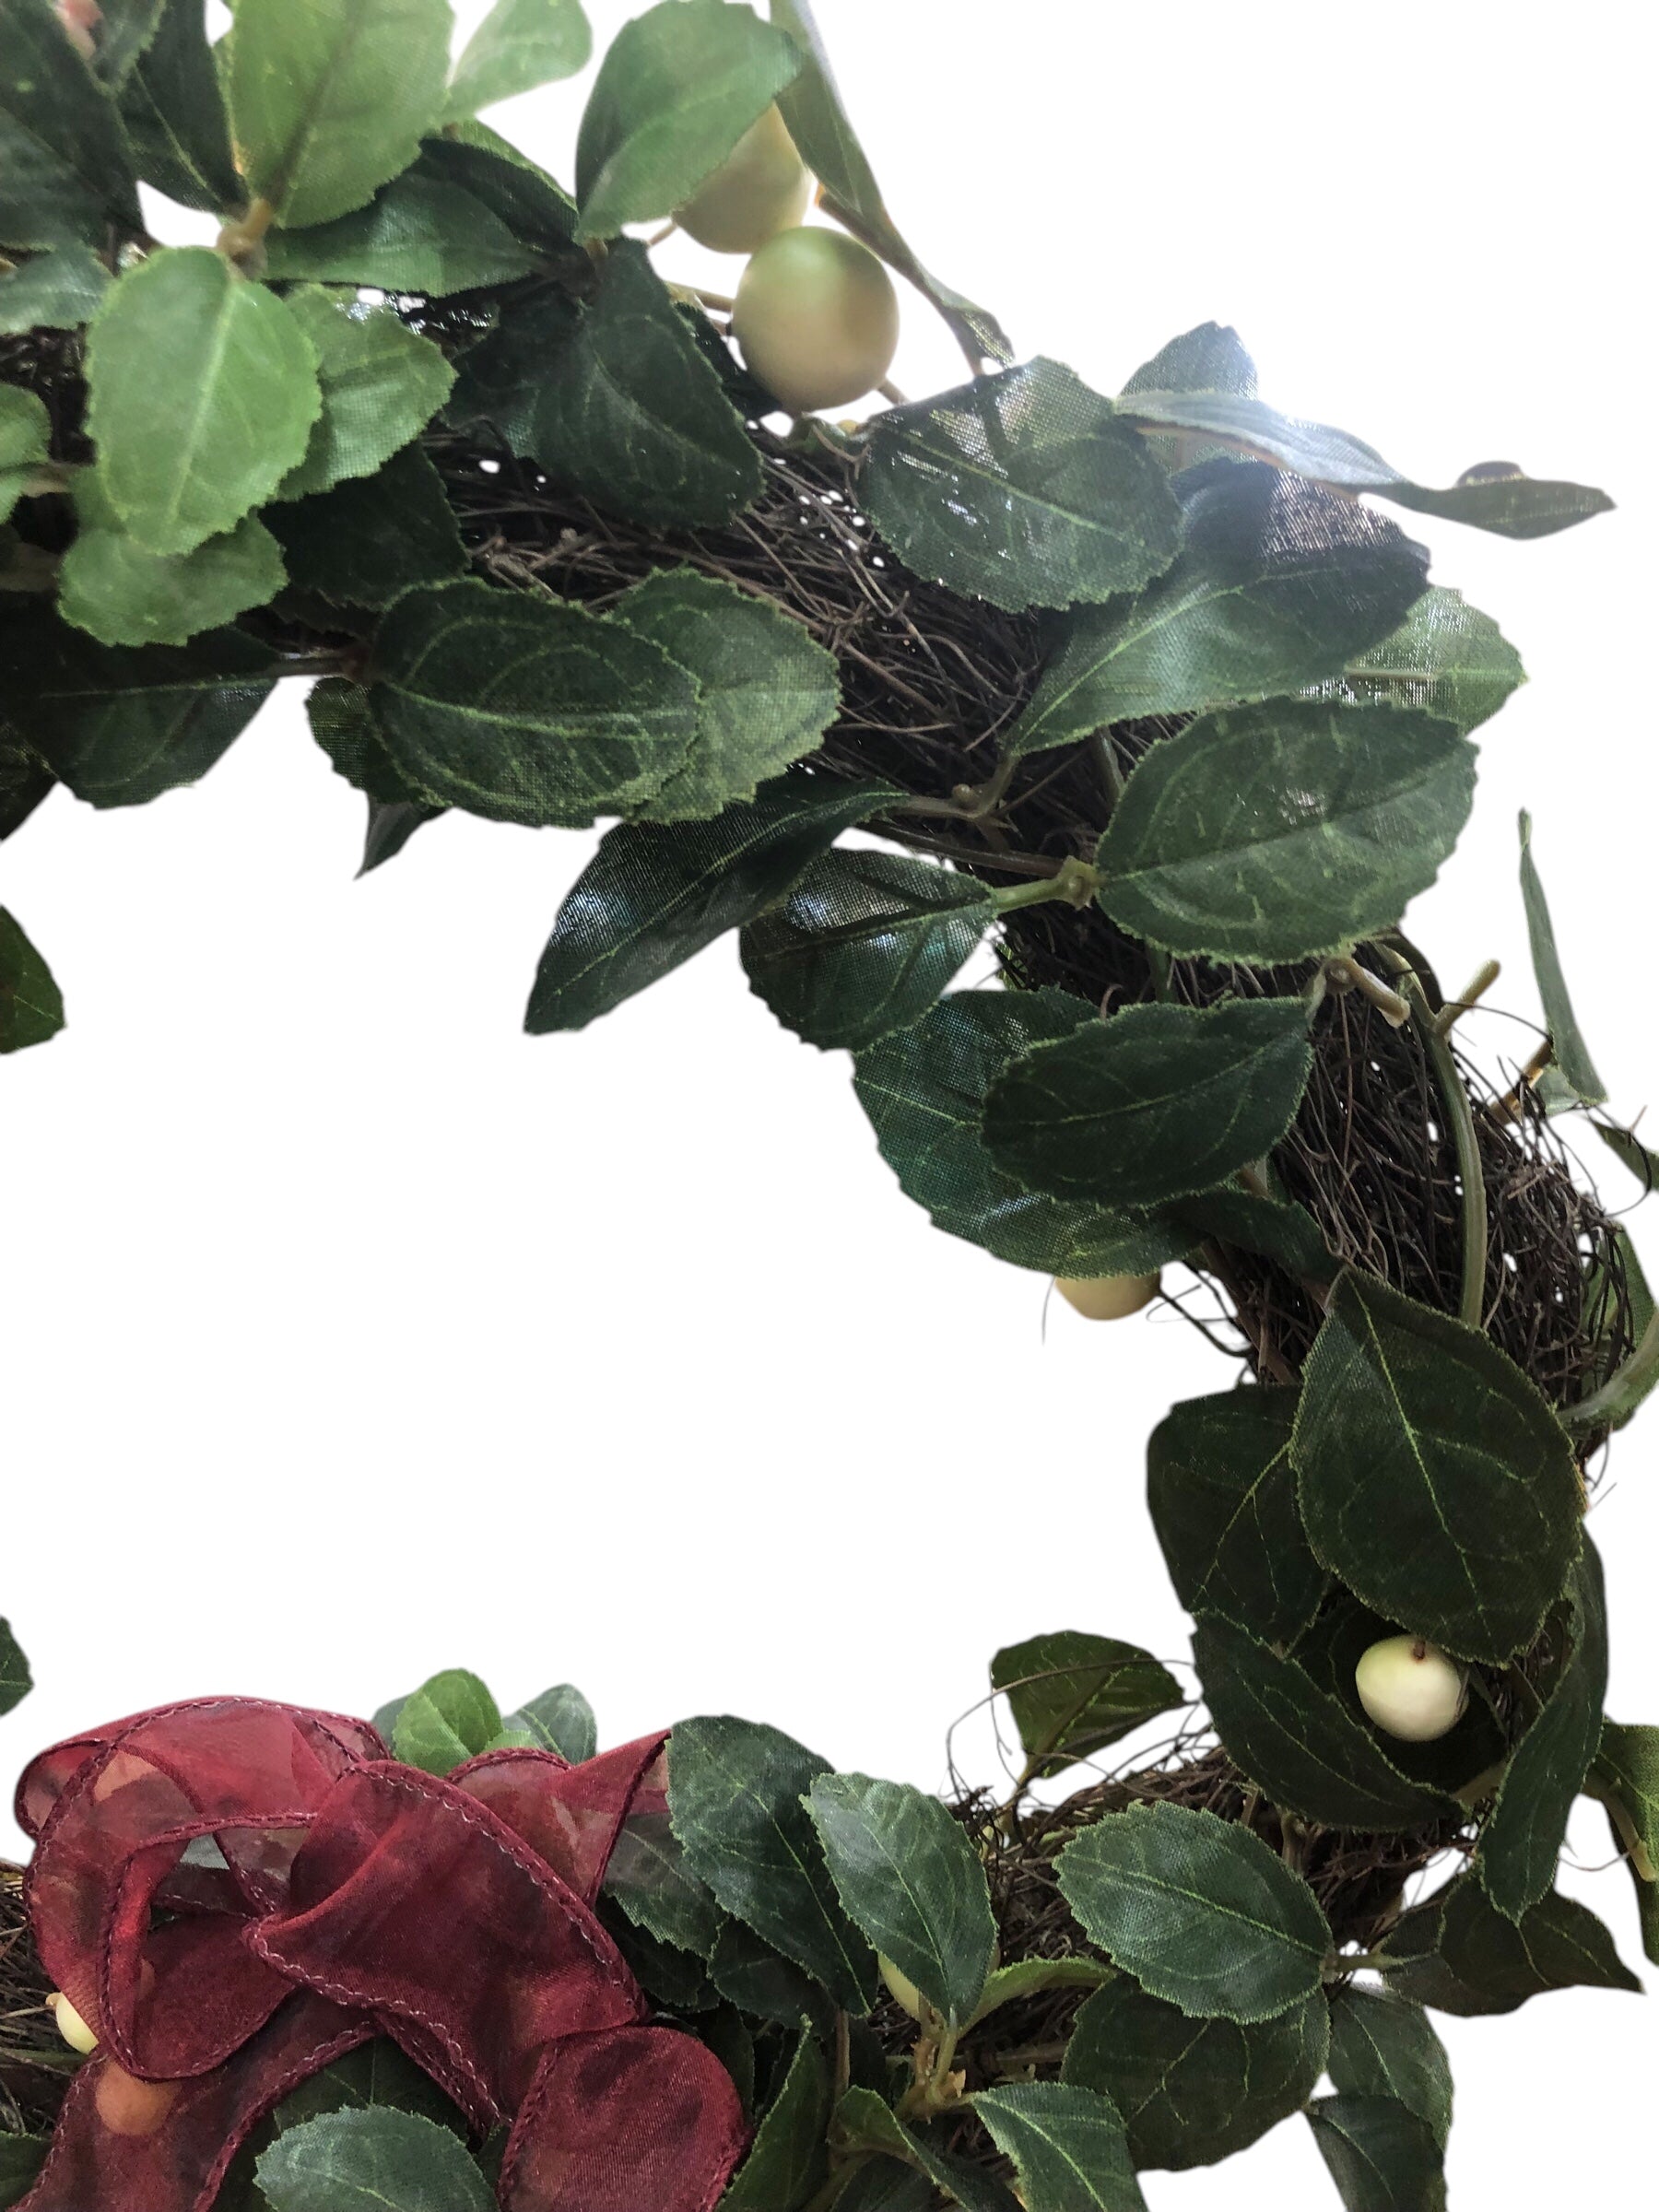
(1381, 2046)
(204, 392)
(1223, 1496)
(1382, 2156)
(448, 1721)
(519, 44)
(332, 100)
(679, 87)
(1156, 1103)
(1460, 1955)
(787, 2161)
(1067, 2144)
(1072, 1694)
(25, 782)
(173, 107)
(735, 1795)
(1433, 1477)
(1022, 489)
(748, 1973)
(1276, 1228)
(527, 709)
(678, 1979)
(560, 1720)
(530, 203)
(1210, 359)
(1572, 1054)
(120, 37)
(1200, 1911)
(884, 2185)
(924, 1091)
(1627, 1780)
(16, 1682)
(391, 823)
(908, 1876)
(652, 897)
(1278, 584)
(862, 2121)
(419, 234)
(114, 587)
(1511, 504)
(378, 2161)
(343, 723)
(381, 384)
(52, 291)
(372, 538)
(25, 442)
(21, 2159)
(1192, 2092)
(64, 170)
(863, 945)
(1447, 658)
(649, 1879)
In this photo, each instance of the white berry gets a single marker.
(1107, 1297)
(817, 319)
(1410, 1688)
(761, 187)
(70, 2026)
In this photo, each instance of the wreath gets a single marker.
(1152, 691)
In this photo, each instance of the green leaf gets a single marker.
(31, 1012)
(16, 1681)
(342, 721)
(1527, 1827)
(673, 1978)
(864, 2121)
(924, 1091)
(679, 87)
(1156, 1103)
(448, 1721)
(25, 443)
(735, 1795)
(1381, 2155)
(528, 202)
(124, 595)
(1192, 2092)
(173, 107)
(126, 28)
(66, 174)
(519, 44)
(527, 709)
(25, 782)
(649, 1879)
(381, 384)
(1433, 1477)
(1022, 489)
(560, 1720)
(1447, 658)
(1511, 504)
(1460, 1955)
(787, 2161)
(391, 823)
(1278, 584)
(907, 1876)
(21, 2159)
(1307, 1751)
(1572, 1054)
(1222, 1492)
(1210, 359)
(1198, 1910)
(379, 2160)
(1381, 2046)
(653, 897)
(52, 291)
(1627, 1778)
(863, 945)
(331, 100)
(759, 1981)
(1072, 1694)
(769, 691)
(1273, 833)
(419, 234)
(203, 391)
(372, 538)
(1067, 2144)
(884, 2185)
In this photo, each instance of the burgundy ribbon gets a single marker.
(235, 1894)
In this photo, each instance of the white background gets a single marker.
(347, 1333)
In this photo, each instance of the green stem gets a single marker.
(1074, 881)
(1624, 1392)
(1460, 1111)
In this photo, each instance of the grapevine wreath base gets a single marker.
(1150, 692)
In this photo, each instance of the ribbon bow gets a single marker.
(234, 1894)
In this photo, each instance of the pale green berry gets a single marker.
(1107, 1297)
(761, 188)
(1410, 1688)
(817, 319)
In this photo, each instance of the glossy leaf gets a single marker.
(560, 1720)
(1023, 489)
(331, 100)
(787, 2161)
(381, 384)
(419, 234)
(1381, 2155)
(204, 392)
(1627, 1776)
(1222, 1492)
(1446, 658)
(1192, 2092)
(1071, 1694)
(31, 1012)
(25, 443)
(735, 1795)
(123, 594)
(1433, 1477)
(650, 1879)
(172, 106)
(1200, 1911)
(1460, 1955)
(1278, 584)
(52, 291)
(1156, 1103)
(1067, 2144)
(908, 1876)
(64, 170)
(519, 46)
(1381, 2046)
(372, 538)
(1572, 1054)
(448, 1721)
(377, 2161)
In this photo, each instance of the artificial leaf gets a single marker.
(679, 87)
(172, 106)
(16, 1682)
(1381, 2046)
(1199, 1910)
(1447, 658)
(527, 709)
(1067, 2144)
(52, 291)
(1302, 1745)
(885, 2186)
(759, 1981)
(1572, 1054)
(533, 206)
(391, 823)
(1072, 1694)
(924, 1091)
(787, 2159)
(372, 538)
(25, 782)
(674, 1978)
(650, 1881)
(1513, 504)
(1023, 489)
(1459, 1954)
(1192, 2092)
(735, 1795)
(342, 721)
(1222, 1492)
(1381, 2155)
(863, 945)
(124, 595)
(381, 384)
(654, 896)
(25, 443)
(419, 234)
(1211, 358)
(377, 2161)
(1272, 833)
(1278, 1228)
(1278, 586)
(1156, 1103)
(21, 2159)
(330, 100)
(560, 1720)
(1433, 1478)
(862, 2121)
(124, 28)
(66, 174)
(448, 1721)
(908, 1876)
(1627, 1780)
(519, 46)
(203, 391)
